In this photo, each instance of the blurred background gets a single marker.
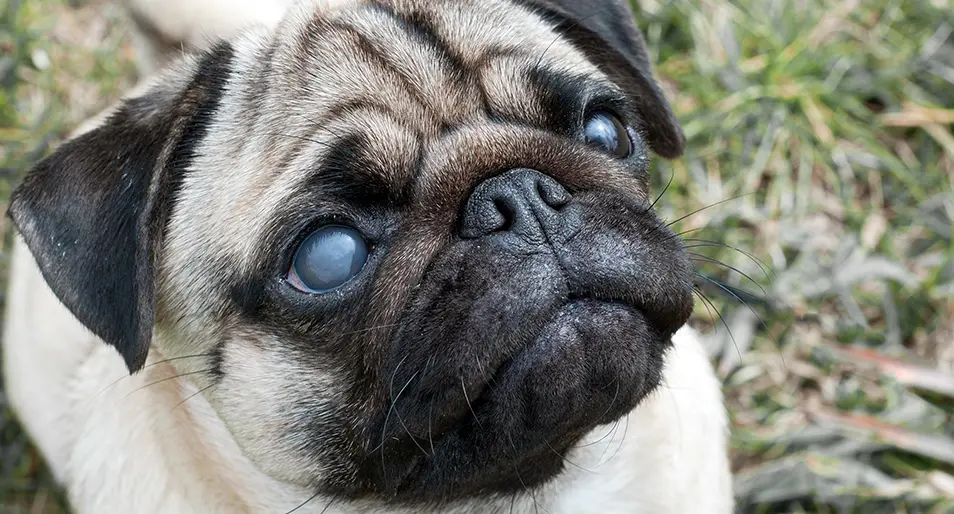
(816, 197)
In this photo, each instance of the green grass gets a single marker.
(822, 127)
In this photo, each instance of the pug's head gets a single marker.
(407, 246)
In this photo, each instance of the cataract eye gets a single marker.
(327, 259)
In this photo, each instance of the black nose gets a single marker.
(521, 201)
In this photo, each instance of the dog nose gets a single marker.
(520, 201)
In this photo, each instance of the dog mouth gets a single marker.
(577, 373)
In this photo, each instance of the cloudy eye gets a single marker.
(605, 130)
(327, 259)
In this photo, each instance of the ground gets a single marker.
(817, 197)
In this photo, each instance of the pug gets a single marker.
(368, 256)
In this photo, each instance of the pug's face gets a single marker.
(407, 246)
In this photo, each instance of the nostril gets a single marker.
(507, 211)
(552, 193)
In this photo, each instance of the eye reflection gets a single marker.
(606, 131)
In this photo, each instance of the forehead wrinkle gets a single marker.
(508, 92)
(544, 96)
(391, 147)
(396, 75)
(430, 72)
(495, 43)
(330, 65)
(324, 67)
(477, 28)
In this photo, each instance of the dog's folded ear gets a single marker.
(92, 213)
(606, 32)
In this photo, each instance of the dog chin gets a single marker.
(590, 365)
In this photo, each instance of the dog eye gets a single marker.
(327, 259)
(606, 131)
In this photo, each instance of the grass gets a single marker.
(820, 145)
(828, 125)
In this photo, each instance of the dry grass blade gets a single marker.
(933, 446)
(920, 377)
(912, 115)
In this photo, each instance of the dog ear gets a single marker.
(93, 212)
(606, 32)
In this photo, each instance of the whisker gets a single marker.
(384, 428)
(380, 446)
(722, 319)
(330, 502)
(671, 177)
(469, 405)
(371, 328)
(568, 461)
(306, 502)
(696, 292)
(120, 379)
(609, 433)
(766, 269)
(166, 380)
(697, 211)
(676, 235)
(300, 138)
(559, 36)
(207, 354)
(200, 391)
(612, 402)
(482, 369)
(394, 407)
(536, 504)
(622, 441)
(761, 321)
(689, 231)
(705, 258)
(430, 416)
(658, 229)
(722, 286)
(599, 462)
(745, 296)
(317, 125)
(430, 434)
(401, 420)
(408, 432)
